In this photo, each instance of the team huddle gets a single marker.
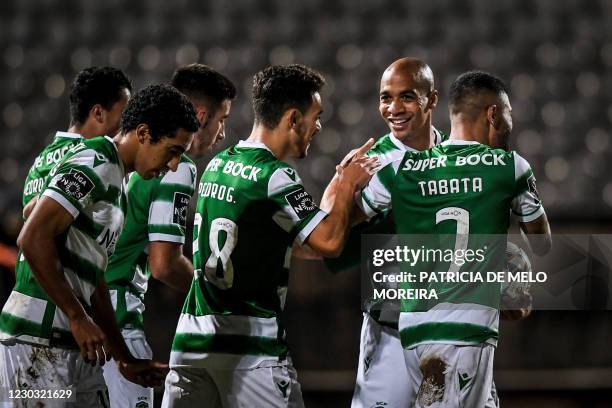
(106, 205)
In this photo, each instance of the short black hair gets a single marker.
(201, 82)
(281, 87)
(95, 85)
(473, 83)
(163, 108)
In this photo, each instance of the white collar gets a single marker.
(459, 142)
(68, 135)
(253, 145)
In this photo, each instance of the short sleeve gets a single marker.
(298, 213)
(78, 182)
(526, 204)
(375, 198)
(170, 203)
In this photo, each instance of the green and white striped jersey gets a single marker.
(458, 189)
(251, 208)
(387, 148)
(156, 211)
(45, 161)
(88, 184)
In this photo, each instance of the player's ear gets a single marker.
(433, 100)
(97, 112)
(294, 117)
(142, 132)
(493, 116)
(202, 115)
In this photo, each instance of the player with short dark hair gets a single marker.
(152, 241)
(97, 98)
(466, 191)
(59, 317)
(229, 347)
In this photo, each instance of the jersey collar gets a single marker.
(68, 135)
(253, 145)
(398, 143)
(459, 142)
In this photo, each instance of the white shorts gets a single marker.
(382, 374)
(262, 387)
(122, 392)
(30, 367)
(452, 376)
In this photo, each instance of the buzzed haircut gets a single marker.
(203, 83)
(281, 87)
(470, 85)
(95, 85)
(163, 108)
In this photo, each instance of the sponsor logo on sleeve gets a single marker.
(75, 184)
(531, 183)
(301, 202)
(181, 203)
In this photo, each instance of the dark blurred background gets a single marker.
(555, 54)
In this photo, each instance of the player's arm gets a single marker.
(329, 195)
(329, 235)
(29, 207)
(167, 226)
(527, 207)
(538, 234)
(37, 241)
(168, 264)
(144, 372)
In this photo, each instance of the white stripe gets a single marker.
(470, 313)
(280, 180)
(80, 287)
(86, 247)
(60, 320)
(232, 324)
(62, 201)
(254, 145)
(166, 238)
(312, 224)
(183, 175)
(133, 303)
(161, 213)
(531, 217)
(68, 135)
(25, 307)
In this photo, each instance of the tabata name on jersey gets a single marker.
(236, 169)
(487, 159)
(451, 186)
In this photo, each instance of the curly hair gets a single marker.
(471, 84)
(163, 108)
(96, 85)
(201, 82)
(281, 87)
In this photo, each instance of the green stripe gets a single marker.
(83, 268)
(450, 331)
(88, 226)
(228, 344)
(17, 326)
(166, 229)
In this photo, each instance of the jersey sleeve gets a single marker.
(375, 198)
(298, 213)
(78, 182)
(526, 204)
(169, 204)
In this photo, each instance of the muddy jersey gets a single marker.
(87, 183)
